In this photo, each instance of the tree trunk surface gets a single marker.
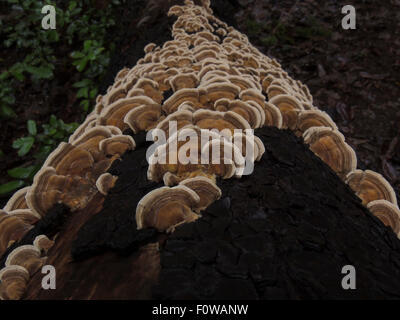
(285, 231)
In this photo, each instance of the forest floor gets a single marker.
(353, 75)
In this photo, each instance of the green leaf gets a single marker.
(72, 5)
(40, 72)
(43, 152)
(81, 84)
(23, 145)
(85, 104)
(87, 44)
(7, 111)
(81, 65)
(4, 75)
(77, 55)
(93, 93)
(53, 121)
(11, 186)
(21, 173)
(83, 93)
(32, 129)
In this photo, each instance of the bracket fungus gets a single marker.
(106, 182)
(165, 208)
(13, 282)
(182, 96)
(49, 188)
(27, 256)
(387, 212)
(207, 119)
(26, 215)
(68, 159)
(289, 107)
(331, 147)
(250, 113)
(43, 243)
(205, 188)
(115, 113)
(369, 186)
(313, 118)
(12, 229)
(17, 201)
(117, 145)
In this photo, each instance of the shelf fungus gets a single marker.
(71, 160)
(175, 121)
(27, 256)
(184, 80)
(207, 119)
(387, 212)
(26, 215)
(205, 188)
(13, 282)
(166, 208)
(106, 182)
(227, 161)
(91, 139)
(49, 188)
(115, 113)
(43, 243)
(251, 147)
(117, 145)
(289, 107)
(313, 118)
(181, 155)
(250, 113)
(331, 147)
(186, 95)
(369, 186)
(143, 118)
(12, 229)
(17, 201)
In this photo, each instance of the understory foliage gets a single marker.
(33, 56)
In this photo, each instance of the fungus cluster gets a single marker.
(208, 77)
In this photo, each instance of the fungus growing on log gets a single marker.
(184, 222)
(12, 229)
(13, 282)
(143, 117)
(387, 212)
(205, 188)
(330, 146)
(166, 208)
(27, 256)
(289, 108)
(313, 118)
(43, 243)
(370, 186)
(105, 182)
(17, 201)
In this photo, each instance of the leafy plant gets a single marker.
(80, 40)
(53, 133)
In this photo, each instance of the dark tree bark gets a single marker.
(286, 231)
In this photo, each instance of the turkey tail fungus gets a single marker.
(116, 225)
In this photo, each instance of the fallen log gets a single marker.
(284, 231)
